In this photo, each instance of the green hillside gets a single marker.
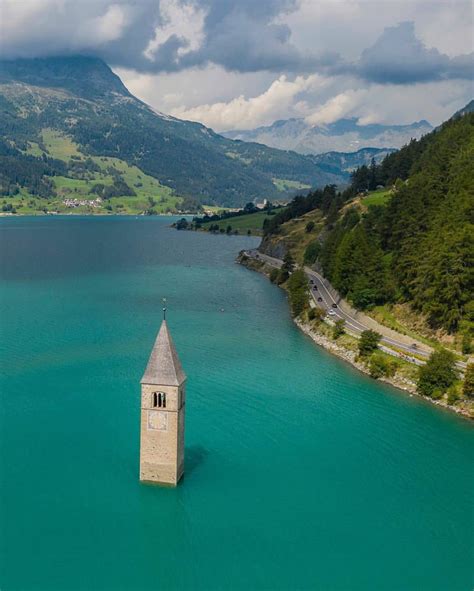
(78, 183)
(251, 224)
(75, 109)
(411, 244)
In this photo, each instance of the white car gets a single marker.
(331, 313)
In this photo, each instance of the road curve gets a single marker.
(319, 289)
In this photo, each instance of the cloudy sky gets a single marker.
(239, 64)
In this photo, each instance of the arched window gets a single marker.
(159, 400)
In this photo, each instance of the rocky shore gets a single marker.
(318, 337)
(351, 356)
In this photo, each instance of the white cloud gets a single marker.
(341, 105)
(242, 112)
(209, 96)
(349, 26)
(434, 101)
(31, 28)
(109, 27)
(182, 20)
(381, 103)
(194, 87)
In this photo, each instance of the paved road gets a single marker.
(352, 324)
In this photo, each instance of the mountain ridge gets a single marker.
(59, 72)
(469, 108)
(82, 99)
(343, 135)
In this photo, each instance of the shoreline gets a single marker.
(349, 356)
(89, 214)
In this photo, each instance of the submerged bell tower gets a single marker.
(162, 413)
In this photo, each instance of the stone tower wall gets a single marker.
(162, 436)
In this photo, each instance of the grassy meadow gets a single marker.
(286, 184)
(150, 194)
(379, 197)
(251, 223)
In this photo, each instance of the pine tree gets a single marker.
(468, 385)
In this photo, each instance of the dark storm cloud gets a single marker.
(48, 27)
(246, 40)
(239, 35)
(244, 37)
(398, 57)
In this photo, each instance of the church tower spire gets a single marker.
(162, 413)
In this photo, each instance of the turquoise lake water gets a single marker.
(300, 472)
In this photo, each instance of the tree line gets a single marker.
(419, 247)
(22, 170)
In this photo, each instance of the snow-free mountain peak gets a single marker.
(343, 135)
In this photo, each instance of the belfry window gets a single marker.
(159, 400)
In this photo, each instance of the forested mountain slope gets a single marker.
(417, 246)
(82, 101)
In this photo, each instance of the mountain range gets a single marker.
(60, 112)
(343, 135)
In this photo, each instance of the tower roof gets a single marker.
(164, 367)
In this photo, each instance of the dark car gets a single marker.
(334, 305)
(320, 299)
(311, 281)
